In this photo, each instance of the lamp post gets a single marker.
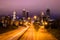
(35, 17)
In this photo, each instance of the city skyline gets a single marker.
(29, 20)
(33, 6)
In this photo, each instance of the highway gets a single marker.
(28, 33)
(14, 34)
(41, 34)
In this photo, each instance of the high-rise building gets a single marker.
(27, 14)
(48, 14)
(42, 15)
(14, 15)
(24, 13)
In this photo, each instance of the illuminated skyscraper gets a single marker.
(24, 13)
(27, 14)
(14, 15)
(42, 15)
(48, 14)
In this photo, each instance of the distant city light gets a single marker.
(35, 17)
(29, 18)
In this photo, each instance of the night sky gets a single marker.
(33, 6)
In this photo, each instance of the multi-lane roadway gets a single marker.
(28, 33)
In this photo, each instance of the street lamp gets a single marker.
(46, 23)
(29, 18)
(35, 17)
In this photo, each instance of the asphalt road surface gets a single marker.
(28, 33)
(14, 34)
(41, 34)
